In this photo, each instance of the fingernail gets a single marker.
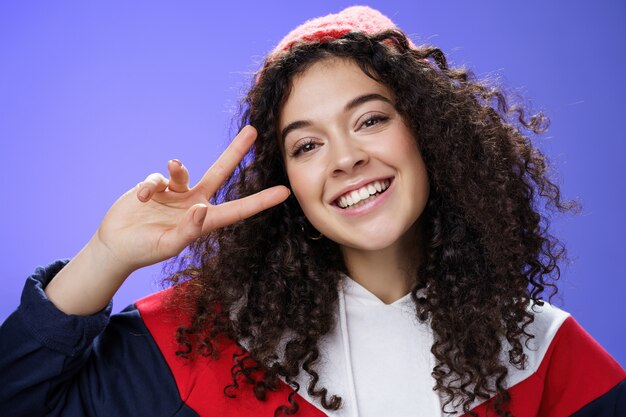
(180, 164)
(144, 193)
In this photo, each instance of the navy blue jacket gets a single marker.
(53, 364)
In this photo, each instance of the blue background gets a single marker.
(96, 95)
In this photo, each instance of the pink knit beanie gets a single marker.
(353, 19)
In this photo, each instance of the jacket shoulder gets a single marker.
(201, 381)
(560, 354)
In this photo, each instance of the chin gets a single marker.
(370, 243)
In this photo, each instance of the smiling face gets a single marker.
(353, 164)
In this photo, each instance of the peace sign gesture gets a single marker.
(159, 217)
(152, 222)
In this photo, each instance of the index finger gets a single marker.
(227, 161)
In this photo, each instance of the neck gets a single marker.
(388, 273)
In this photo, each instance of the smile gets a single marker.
(361, 196)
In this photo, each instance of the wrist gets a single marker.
(88, 282)
(109, 263)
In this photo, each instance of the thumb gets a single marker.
(190, 227)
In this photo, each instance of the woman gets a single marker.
(403, 273)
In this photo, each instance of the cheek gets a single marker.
(306, 185)
(398, 149)
(420, 173)
(404, 151)
(407, 142)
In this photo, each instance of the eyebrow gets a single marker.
(299, 124)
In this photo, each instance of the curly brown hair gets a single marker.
(487, 253)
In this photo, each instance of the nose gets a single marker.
(347, 154)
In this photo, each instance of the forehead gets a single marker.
(325, 87)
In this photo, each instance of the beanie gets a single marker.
(353, 19)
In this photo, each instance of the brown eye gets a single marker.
(373, 120)
(305, 147)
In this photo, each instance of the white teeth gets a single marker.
(353, 197)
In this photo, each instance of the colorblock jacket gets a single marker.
(53, 364)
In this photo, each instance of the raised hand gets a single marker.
(159, 217)
(152, 222)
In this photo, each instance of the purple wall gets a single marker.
(95, 95)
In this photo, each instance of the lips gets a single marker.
(355, 196)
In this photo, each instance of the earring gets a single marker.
(310, 237)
